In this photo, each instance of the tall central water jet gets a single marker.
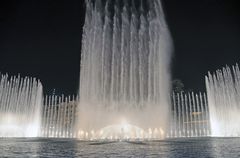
(126, 51)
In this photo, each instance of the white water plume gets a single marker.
(20, 106)
(223, 91)
(125, 65)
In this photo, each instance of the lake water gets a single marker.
(174, 148)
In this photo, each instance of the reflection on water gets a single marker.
(174, 148)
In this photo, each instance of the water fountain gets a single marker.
(124, 86)
(190, 116)
(223, 91)
(58, 116)
(126, 51)
(20, 106)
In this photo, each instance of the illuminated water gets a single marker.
(190, 115)
(58, 116)
(20, 106)
(176, 148)
(223, 89)
(125, 68)
(124, 86)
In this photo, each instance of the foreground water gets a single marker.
(174, 148)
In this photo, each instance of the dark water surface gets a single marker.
(174, 148)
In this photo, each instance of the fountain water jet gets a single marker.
(190, 116)
(223, 91)
(20, 106)
(125, 63)
(58, 116)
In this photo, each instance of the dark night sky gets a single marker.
(42, 38)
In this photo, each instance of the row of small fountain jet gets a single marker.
(25, 113)
(190, 117)
(21, 103)
(58, 116)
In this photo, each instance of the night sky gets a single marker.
(42, 38)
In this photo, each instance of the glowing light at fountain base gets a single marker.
(120, 132)
(13, 126)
